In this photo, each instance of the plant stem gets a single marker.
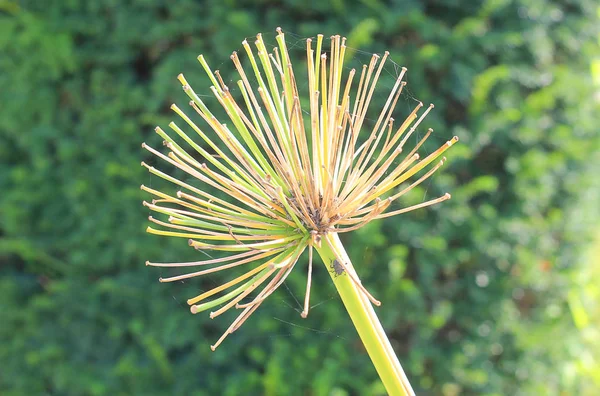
(364, 318)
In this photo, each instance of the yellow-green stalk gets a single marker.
(291, 181)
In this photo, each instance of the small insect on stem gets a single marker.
(337, 267)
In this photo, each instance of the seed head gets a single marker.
(292, 171)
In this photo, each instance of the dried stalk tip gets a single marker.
(292, 171)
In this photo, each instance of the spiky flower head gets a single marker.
(293, 170)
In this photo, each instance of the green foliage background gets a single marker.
(474, 290)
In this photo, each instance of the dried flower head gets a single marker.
(291, 179)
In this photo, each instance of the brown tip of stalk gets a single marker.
(304, 314)
(191, 242)
(147, 262)
(193, 309)
(160, 280)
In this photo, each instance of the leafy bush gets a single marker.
(473, 290)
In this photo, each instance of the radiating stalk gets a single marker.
(364, 318)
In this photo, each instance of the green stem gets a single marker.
(364, 318)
